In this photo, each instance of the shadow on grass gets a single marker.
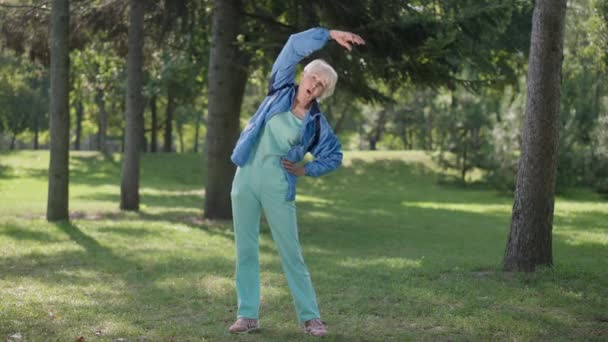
(23, 234)
(147, 299)
(373, 259)
(176, 199)
(161, 171)
(439, 262)
(5, 171)
(376, 275)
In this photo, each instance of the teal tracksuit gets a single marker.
(261, 185)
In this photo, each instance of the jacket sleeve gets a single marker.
(327, 153)
(298, 46)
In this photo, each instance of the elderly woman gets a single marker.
(287, 125)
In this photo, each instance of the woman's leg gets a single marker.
(246, 220)
(281, 216)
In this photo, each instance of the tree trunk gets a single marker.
(154, 124)
(180, 136)
(530, 241)
(39, 114)
(227, 78)
(144, 140)
(410, 140)
(142, 132)
(59, 118)
(13, 140)
(168, 139)
(402, 127)
(79, 116)
(102, 121)
(372, 143)
(430, 130)
(129, 187)
(197, 130)
(36, 137)
(376, 133)
(463, 171)
(36, 131)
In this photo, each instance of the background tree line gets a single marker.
(434, 95)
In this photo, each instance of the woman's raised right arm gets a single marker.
(298, 46)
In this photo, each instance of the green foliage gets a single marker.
(599, 158)
(23, 95)
(468, 135)
(583, 104)
(99, 78)
(506, 135)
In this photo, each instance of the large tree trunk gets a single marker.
(153, 125)
(168, 138)
(102, 121)
(227, 79)
(79, 116)
(59, 118)
(530, 238)
(129, 187)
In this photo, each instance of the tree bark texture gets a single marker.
(227, 77)
(79, 116)
(168, 135)
(59, 118)
(102, 121)
(154, 125)
(129, 188)
(530, 238)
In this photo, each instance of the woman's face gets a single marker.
(311, 87)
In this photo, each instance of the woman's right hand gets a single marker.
(346, 39)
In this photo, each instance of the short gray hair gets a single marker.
(327, 74)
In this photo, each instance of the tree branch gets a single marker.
(268, 19)
(44, 7)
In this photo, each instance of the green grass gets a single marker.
(393, 255)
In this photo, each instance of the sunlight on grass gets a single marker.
(471, 208)
(216, 285)
(394, 255)
(395, 263)
(564, 206)
(313, 199)
(574, 236)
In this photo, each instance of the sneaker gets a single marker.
(315, 327)
(244, 325)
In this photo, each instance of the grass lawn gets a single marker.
(393, 256)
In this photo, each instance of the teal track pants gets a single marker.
(255, 188)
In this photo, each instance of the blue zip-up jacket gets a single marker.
(316, 135)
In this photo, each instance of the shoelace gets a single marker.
(249, 323)
(316, 323)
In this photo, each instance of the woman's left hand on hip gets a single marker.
(294, 168)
